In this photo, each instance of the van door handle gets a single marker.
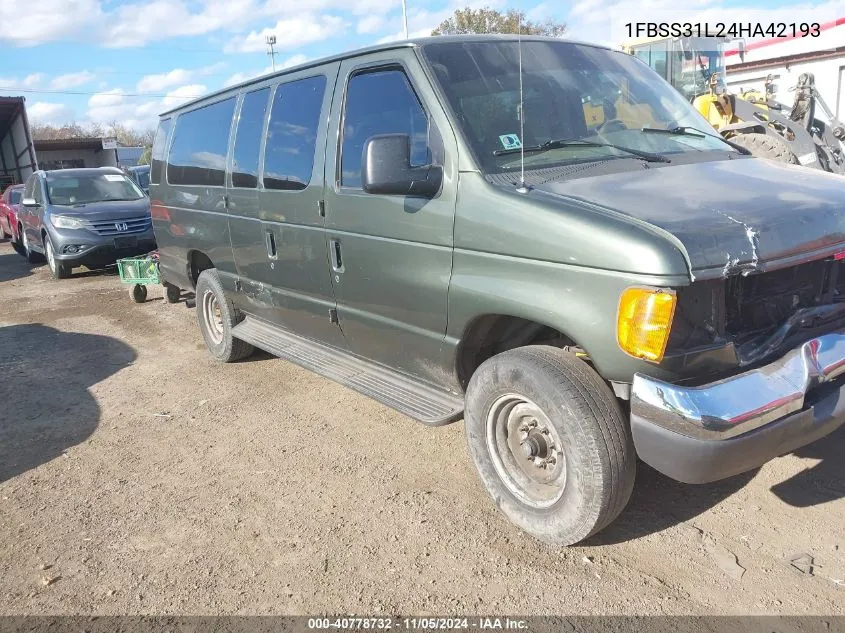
(336, 256)
(270, 240)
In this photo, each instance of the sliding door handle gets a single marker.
(336, 255)
(270, 241)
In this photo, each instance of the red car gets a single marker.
(9, 204)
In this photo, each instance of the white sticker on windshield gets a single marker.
(510, 141)
(114, 177)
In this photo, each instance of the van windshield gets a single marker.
(571, 92)
(95, 187)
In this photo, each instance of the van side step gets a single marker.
(425, 404)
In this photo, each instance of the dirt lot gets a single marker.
(139, 476)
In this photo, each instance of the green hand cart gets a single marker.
(141, 272)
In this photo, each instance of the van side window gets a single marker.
(292, 133)
(248, 139)
(158, 153)
(200, 141)
(380, 102)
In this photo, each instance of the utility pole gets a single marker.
(271, 41)
(405, 19)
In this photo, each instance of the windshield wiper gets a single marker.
(686, 130)
(576, 142)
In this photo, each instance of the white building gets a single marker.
(786, 58)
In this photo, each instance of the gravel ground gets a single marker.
(138, 476)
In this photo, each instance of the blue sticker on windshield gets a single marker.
(510, 141)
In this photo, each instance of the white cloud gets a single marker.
(132, 24)
(44, 112)
(395, 37)
(422, 22)
(114, 105)
(290, 33)
(294, 60)
(45, 20)
(371, 24)
(183, 95)
(175, 77)
(162, 81)
(246, 75)
(107, 99)
(72, 80)
(164, 19)
(33, 81)
(284, 8)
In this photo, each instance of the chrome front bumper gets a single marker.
(744, 402)
(706, 433)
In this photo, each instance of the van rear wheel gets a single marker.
(550, 443)
(216, 317)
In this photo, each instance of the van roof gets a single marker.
(410, 43)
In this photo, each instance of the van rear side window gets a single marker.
(292, 133)
(200, 141)
(159, 151)
(248, 139)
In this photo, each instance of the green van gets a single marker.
(536, 235)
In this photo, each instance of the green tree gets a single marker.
(489, 20)
(146, 156)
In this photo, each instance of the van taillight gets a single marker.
(159, 211)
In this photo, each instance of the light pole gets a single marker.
(405, 19)
(271, 41)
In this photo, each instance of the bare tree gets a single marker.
(489, 20)
(125, 135)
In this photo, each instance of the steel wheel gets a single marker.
(212, 316)
(527, 451)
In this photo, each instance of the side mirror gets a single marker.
(29, 202)
(386, 169)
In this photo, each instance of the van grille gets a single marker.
(121, 227)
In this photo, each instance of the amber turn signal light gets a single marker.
(644, 322)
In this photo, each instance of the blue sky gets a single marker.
(132, 59)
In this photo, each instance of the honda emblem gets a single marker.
(121, 226)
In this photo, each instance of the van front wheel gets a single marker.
(550, 443)
(217, 316)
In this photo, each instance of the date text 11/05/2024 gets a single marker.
(417, 624)
(723, 29)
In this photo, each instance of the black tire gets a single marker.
(57, 269)
(172, 293)
(31, 256)
(598, 458)
(139, 293)
(766, 146)
(216, 317)
(17, 243)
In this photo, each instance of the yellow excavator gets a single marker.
(695, 66)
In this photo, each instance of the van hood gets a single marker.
(727, 216)
(106, 210)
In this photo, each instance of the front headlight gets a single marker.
(644, 322)
(66, 222)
